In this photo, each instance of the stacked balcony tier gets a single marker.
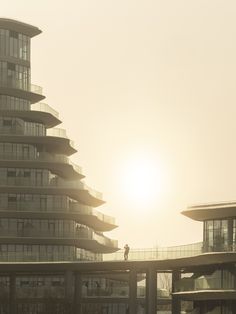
(46, 211)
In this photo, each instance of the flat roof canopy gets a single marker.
(211, 211)
(19, 27)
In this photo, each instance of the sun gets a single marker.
(142, 181)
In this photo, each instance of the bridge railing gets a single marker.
(158, 253)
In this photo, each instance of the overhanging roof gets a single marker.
(211, 211)
(19, 27)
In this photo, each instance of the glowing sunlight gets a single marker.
(142, 180)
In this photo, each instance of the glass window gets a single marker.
(14, 75)
(14, 44)
(216, 235)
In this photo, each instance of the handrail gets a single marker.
(44, 108)
(43, 156)
(17, 84)
(87, 210)
(159, 253)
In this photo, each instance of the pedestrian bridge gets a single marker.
(76, 294)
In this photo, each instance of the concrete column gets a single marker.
(151, 291)
(176, 303)
(12, 294)
(132, 292)
(78, 294)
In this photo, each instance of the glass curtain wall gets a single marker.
(217, 235)
(14, 75)
(13, 44)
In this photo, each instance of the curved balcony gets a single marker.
(92, 218)
(84, 238)
(88, 196)
(47, 111)
(74, 189)
(44, 108)
(46, 118)
(58, 164)
(80, 213)
(33, 93)
(58, 145)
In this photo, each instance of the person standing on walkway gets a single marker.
(126, 252)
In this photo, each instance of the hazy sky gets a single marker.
(150, 78)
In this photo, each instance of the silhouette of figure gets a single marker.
(126, 252)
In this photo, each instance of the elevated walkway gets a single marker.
(75, 273)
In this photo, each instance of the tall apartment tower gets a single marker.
(46, 212)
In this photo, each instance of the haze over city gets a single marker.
(146, 90)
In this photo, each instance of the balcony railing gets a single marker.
(42, 156)
(58, 182)
(78, 233)
(44, 108)
(19, 84)
(104, 240)
(57, 132)
(36, 89)
(92, 191)
(87, 210)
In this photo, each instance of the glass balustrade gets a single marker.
(36, 89)
(104, 240)
(81, 232)
(159, 253)
(42, 156)
(57, 132)
(15, 81)
(33, 182)
(35, 252)
(44, 108)
(92, 191)
(87, 210)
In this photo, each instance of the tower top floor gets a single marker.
(19, 27)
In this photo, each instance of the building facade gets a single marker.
(47, 212)
(211, 288)
(49, 222)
